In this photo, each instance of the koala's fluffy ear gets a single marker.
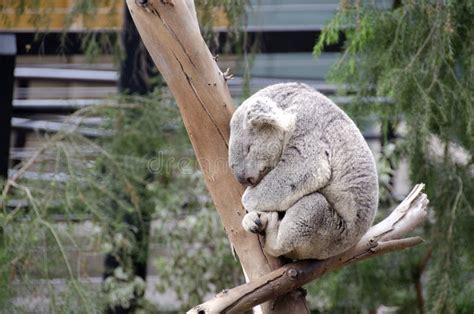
(265, 112)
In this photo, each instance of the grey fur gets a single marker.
(302, 155)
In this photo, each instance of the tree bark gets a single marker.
(170, 32)
(380, 239)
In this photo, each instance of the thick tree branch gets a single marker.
(380, 239)
(170, 32)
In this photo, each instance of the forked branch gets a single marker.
(380, 239)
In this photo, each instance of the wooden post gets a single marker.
(170, 32)
(7, 67)
(136, 66)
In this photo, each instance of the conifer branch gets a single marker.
(382, 238)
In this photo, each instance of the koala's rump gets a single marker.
(352, 190)
(353, 187)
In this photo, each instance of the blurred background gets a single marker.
(104, 208)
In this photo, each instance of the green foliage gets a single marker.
(210, 11)
(145, 171)
(189, 267)
(419, 54)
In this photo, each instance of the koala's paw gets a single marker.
(255, 222)
(250, 200)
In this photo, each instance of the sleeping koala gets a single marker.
(305, 160)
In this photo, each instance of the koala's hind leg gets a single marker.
(309, 229)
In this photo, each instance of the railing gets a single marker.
(25, 111)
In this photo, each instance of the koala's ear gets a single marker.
(265, 112)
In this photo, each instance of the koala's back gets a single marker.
(353, 186)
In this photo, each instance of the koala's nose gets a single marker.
(242, 179)
(246, 180)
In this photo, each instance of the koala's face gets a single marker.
(259, 131)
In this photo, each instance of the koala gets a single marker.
(312, 186)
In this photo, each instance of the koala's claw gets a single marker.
(253, 222)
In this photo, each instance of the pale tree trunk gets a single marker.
(170, 32)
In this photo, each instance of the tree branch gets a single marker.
(170, 31)
(380, 239)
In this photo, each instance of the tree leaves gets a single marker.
(420, 55)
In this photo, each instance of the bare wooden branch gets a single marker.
(170, 32)
(380, 239)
